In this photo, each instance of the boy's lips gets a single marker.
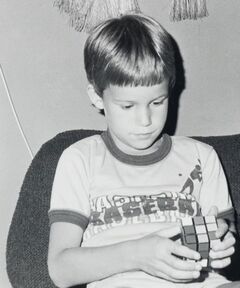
(144, 132)
(143, 135)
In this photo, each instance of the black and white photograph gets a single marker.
(120, 143)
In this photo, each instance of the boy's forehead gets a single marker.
(132, 92)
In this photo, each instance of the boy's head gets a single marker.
(133, 50)
(130, 65)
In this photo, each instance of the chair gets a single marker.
(27, 243)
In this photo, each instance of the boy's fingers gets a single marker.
(182, 275)
(183, 251)
(183, 265)
(177, 275)
(222, 224)
(228, 241)
(218, 264)
(222, 254)
(222, 228)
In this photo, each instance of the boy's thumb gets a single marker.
(213, 211)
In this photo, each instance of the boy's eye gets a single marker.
(159, 102)
(126, 107)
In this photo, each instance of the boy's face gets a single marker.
(136, 115)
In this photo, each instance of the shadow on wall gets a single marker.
(172, 118)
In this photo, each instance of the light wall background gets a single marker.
(42, 60)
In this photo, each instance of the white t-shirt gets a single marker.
(115, 197)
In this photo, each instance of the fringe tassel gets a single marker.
(86, 14)
(188, 9)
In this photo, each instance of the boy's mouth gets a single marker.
(144, 132)
(143, 135)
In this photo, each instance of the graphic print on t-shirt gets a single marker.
(109, 211)
(195, 175)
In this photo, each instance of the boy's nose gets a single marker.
(144, 117)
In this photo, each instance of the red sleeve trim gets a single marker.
(69, 217)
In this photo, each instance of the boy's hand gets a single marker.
(221, 252)
(161, 257)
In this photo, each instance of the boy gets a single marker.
(117, 197)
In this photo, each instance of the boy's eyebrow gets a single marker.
(125, 101)
(132, 101)
(160, 97)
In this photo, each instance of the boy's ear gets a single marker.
(96, 100)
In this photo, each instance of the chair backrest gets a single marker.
(27, 243)
(228, 150)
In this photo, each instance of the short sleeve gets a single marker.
(214, 191)
(70, 196)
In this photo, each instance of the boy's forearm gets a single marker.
(87, 264)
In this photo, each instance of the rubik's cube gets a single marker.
(198, 233)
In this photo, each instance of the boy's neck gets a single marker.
(163, 146)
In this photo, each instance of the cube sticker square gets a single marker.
(198, 233)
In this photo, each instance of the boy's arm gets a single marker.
(69, 264)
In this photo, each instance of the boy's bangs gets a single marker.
(135, 71)
(129, 52)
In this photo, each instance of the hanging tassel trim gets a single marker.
(188, 9)
(86, 14)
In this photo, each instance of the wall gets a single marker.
(43, 64)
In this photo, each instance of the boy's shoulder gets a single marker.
(186, 143)
(85, 146)
(87, 143)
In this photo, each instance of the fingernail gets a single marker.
(211, 254)
(198, 267)
(216, 245)
(197, 256)
(196, 274)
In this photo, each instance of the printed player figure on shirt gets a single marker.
(198, 233)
